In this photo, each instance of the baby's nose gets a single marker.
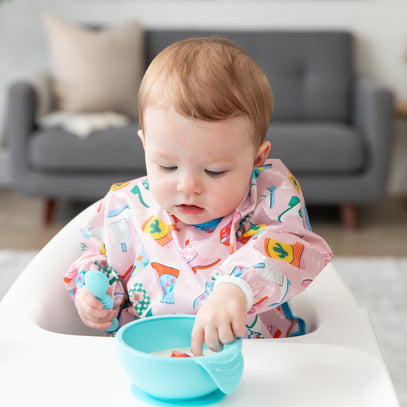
(190, 184)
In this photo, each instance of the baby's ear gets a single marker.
(262, 154)
(142, 137)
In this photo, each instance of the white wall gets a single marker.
(379, 26)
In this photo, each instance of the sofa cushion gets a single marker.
(318, 147)
(109, 150)
(310, 72)
(95, 70)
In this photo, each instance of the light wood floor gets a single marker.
(382, 231)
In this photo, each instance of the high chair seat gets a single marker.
(49, 357)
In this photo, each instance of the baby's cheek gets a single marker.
(161, 192)
(222, 203)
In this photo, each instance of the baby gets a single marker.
(215, 229)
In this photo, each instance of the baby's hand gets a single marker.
(91, 310)
(220, 320)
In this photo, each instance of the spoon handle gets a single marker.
(98, 284)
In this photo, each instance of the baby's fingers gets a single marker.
(97, 319)
(91, 310)
(226, 334)
(197, 340)
(86, 299)
(205, 334)
(239, 327)
(212, 339)
(99, 323)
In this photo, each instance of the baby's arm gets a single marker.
(220, 319)
(280, 256)
(94, 257)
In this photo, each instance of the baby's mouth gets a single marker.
(189, 209)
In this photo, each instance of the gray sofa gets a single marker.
(331, 127)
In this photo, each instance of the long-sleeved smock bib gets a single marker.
(158, 265)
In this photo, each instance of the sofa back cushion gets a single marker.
(310, 72)
(95, 70)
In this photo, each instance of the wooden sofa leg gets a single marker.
(49, 211)
(350, 216)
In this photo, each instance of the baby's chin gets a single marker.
(193, 220)
(192, 216)
(201, 220)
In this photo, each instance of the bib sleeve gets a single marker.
(106, 247)
(277, 255)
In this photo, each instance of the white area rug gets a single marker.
(378, 283)
(12, 263)
(380, 286)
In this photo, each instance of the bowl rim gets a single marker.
(120, 341)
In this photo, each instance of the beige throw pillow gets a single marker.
(95, 70)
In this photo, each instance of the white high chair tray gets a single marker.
(87, 372)
(49, 358)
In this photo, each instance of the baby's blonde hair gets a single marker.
(208, 78)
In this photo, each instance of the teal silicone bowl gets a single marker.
(175, 378)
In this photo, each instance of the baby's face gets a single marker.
(198, 170)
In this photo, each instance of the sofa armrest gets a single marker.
(20, 121)
(41, 83)
(373, 116)
(27, 100)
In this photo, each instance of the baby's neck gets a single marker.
(208, 226)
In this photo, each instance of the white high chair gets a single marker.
(48, 357)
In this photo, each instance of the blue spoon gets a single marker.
(98, 284)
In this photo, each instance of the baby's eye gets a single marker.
(167, 169)
(215, 174)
